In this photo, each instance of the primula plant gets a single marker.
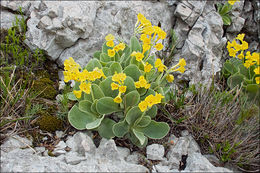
(244, 68)
(224, 10)
(118, 91)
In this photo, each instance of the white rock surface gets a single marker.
(155, 152)
(107, 159)
(15, 142)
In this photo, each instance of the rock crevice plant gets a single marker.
(123, 81)
(243, 69)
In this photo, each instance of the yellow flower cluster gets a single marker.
(142, 83)
(257, 72)
(159, 65)
(147, 67)
(237, 50)
(138, 56)
(180, 66)
(72, 72)
(110, 43)
(170, 78)
(149, 101)
(118, 84)
(150, 35)
(232, 2)
(234, 47)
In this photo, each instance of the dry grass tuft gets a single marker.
(226, 124)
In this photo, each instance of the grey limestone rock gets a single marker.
(155, 152)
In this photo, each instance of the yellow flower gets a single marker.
(111, 52)
(158, 46)
(109, 37)
(143, 105)
(85, 87)
(146, 47)
(122, 76)
(232, 52)
(257, 80)
(161, 68)
(116, 48)
(257, 70)
(240, 37)
(182, 62)
(162, 34)
(114, 86)
(181, 69)
(119, 77)
(159, 65)
(122, 89)
(148, 30)
(170, 78)
(150, 100)
(232, 2)
(158, 62)
(66, 76)
(143, 37)
(118, 99)
(139, 56)
(244, 45)
(241, 55)
(77, 93)
(147, 67)
(158, 98)
(147, 86)
(110, 43)
(137, 84)
(121, 46)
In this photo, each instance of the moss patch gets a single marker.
(49, 122)
(45, 87)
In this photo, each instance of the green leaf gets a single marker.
(143, 122)
(135, 140)
(85, 106)
(129, 82)
(151, 60)
(71, 96)
(133, 71)
(235, 80)
(135, 45)
(97, 54)
(155, 130)
(106, 71)
(106, 105)
(226, 19)
(131, 99)
(115, 67)
(88, 97)
(225, 9)
(95, 123)
(120, 128)
(105, 128)
(105, 85)
(97, 92)
(132, 115)
(93, 63)
(94, 107)
(140, 136)
(152, 112)
(244, 71)
(105, 48)
(104, 57)
(79, 119)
